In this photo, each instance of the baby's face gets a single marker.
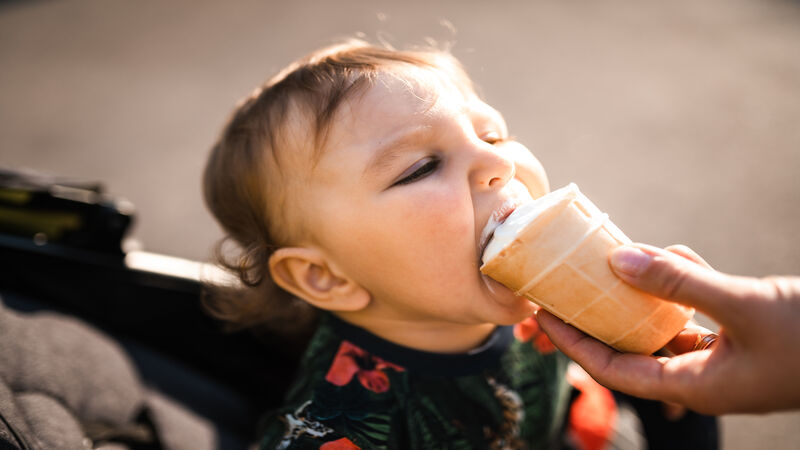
(406, 193)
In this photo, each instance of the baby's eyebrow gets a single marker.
(387, 152)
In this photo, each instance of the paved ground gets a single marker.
(679, 118)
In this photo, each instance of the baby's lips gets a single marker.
(497, 218)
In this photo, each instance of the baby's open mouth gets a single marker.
(498, 217)
(515, 195)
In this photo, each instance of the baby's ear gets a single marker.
(306, 273)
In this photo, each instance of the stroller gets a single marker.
(106, 348)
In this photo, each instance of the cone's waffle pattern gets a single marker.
(563, 267)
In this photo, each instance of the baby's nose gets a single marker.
(492, 169)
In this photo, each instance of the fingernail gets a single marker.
(630, 260)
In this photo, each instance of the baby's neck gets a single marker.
(425, 336)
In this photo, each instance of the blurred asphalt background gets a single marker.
(681, 119)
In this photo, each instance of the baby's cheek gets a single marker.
(444, 214)
(445, 233)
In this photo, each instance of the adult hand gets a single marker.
(753, 367)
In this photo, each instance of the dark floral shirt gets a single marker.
(356, 390)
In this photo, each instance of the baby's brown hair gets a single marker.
(239, 180)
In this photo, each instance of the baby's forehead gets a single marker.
(309, 121)
(390, 95)
(372, 111)
(392, 98)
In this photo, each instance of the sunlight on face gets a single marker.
(413, 171)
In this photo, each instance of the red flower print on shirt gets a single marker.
(339, 444)
(528, 330)
(353, 361)
(593, 413)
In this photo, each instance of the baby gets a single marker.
(366, 182)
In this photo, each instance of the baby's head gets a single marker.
(366, 181)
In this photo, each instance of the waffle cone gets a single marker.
(560, 261)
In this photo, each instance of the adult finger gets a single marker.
(638, 375)
(687, 339)
(668, 276)
(689, 254)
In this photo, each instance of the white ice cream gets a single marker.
(506, 232)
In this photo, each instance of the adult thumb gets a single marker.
(672, 277)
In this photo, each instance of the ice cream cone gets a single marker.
(558, 258)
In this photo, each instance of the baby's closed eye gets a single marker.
(419, 170)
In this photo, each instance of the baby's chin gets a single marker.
(516, 308)
(521, 311)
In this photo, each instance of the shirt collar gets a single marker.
(428, 363)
